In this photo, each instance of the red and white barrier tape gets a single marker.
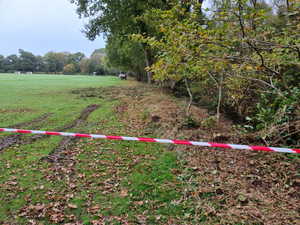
(207, 144)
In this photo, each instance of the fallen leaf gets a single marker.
(124, 192)
(39, 207)
(96, 207)
(242, 198)
(81, 175)
(245, 217)
(22, 214)
(72, 206)
(138, 203)
(32, 222)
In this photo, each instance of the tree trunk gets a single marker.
(191, 97)
(220, 96)
(173, 84)
(149, 74)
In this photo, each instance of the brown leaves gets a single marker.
(124, 192)
(55, 212)
(98, 175)
(73, 206)
(81, 176)
(39, 207)
(12, 183)
(94, 209)
(72, 185)
(138, 203)
(27, 199)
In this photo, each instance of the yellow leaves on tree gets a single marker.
(70, 68)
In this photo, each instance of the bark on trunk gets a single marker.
(149, 74)
(220, 96)
(173, 84)
(191, 98)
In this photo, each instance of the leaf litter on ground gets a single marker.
(105, 181)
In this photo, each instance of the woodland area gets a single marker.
(239, 58)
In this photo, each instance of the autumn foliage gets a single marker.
(69, 69)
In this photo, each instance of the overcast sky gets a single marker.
(41, 26)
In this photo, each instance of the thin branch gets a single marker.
(191, 97)
(261, 81)
(213, 79)
(220, 96)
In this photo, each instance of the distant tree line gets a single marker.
(53, 62)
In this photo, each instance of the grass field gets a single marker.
(54, 179)
(25, 97)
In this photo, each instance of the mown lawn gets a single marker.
(25, 97)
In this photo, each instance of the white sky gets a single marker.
(41, 26)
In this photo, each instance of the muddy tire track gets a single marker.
(32, 122)
(9, 140)
(57, 156)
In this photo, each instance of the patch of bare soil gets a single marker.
(155, 118)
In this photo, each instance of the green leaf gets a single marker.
(242, 198)
(225, 26)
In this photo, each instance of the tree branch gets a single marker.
(191, 97)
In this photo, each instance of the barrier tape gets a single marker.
(207, 144)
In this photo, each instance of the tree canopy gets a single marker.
(27, 61)
(118, 19)
(242, 55)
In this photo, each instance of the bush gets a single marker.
(112, 71)
(95, 68)
(69, 69)
(100, 70)
(10, 71)
(2, 71)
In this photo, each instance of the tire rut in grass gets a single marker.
(7, 141)
(57, 156)
(32, 122)
(12, 139)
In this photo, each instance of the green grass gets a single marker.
(24, 97)
(104, 180)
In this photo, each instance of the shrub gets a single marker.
(69, 69)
